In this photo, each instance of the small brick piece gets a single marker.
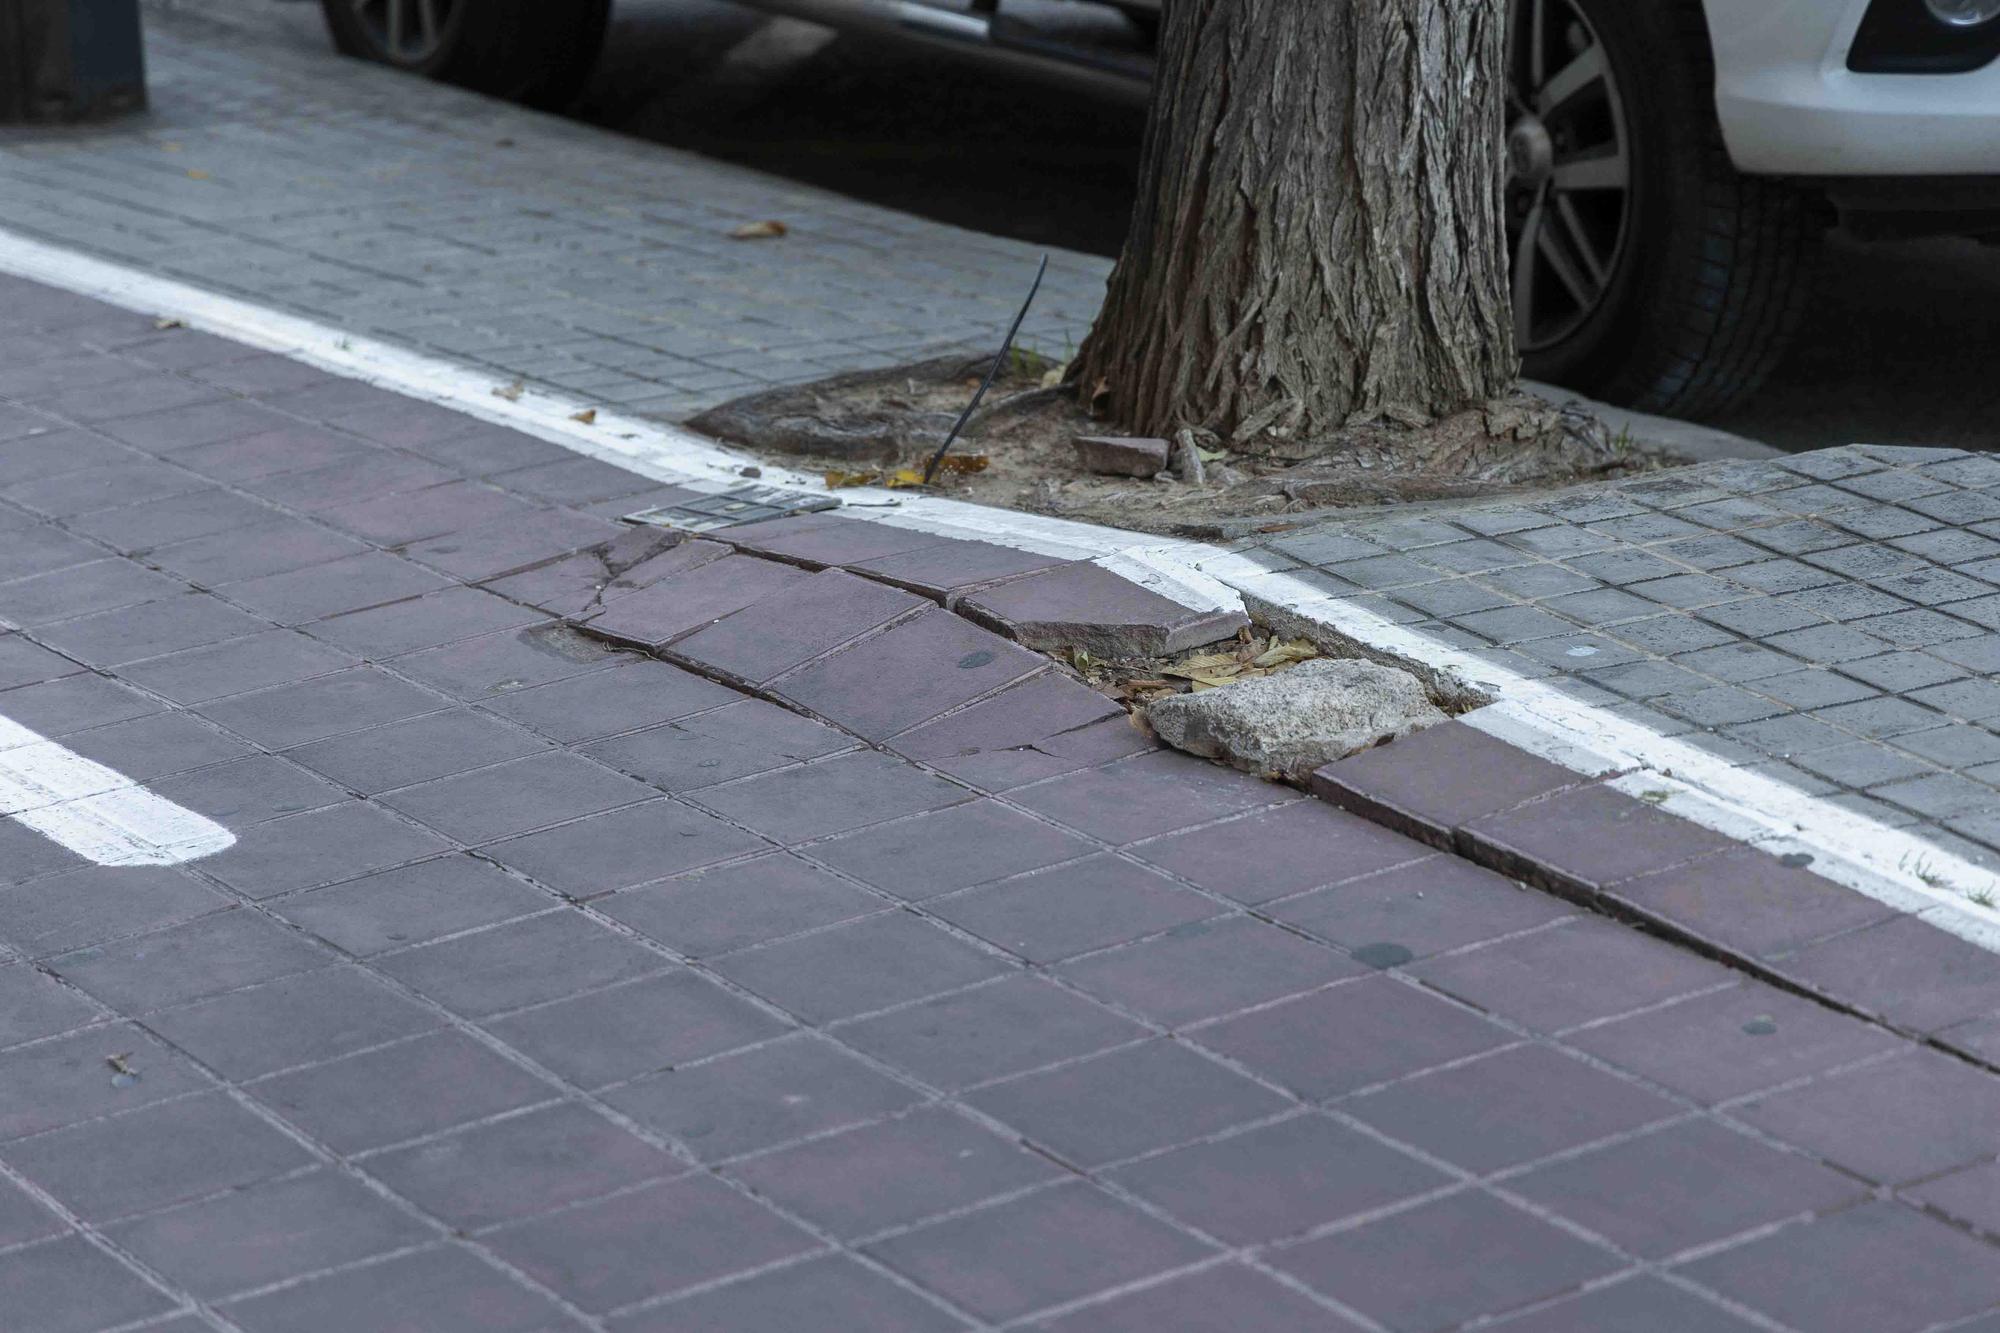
(1121, 455)
(1088, 606)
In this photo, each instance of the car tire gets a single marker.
(533, 51)
(1676, 289)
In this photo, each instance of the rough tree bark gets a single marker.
(1317, 240)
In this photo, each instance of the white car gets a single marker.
(1672, 163)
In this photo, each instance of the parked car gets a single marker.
(1672, 163)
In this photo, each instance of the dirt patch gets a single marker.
(873, 426)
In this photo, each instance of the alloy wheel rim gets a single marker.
(1569, 166)
(406, 32)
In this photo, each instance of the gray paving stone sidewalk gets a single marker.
(1830, 619)
(556, 986)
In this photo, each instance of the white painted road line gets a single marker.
(1895, 867)
(94, 811)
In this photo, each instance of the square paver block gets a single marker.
(1126, 1102)
(1419, 908)
(1071, 909)
(442, 1290)
(951, 566)
(402, 754)
(399, 1092)
(1223, 1296)
(1029, 714)
(827, 539)
(517, 797)
(103, 585)
(1437, 1265)
(1271, 854)
(57, 707)
(1088, 606)
(907, 675)
(158, 746)
(414, 515)
(1590, 837)
(1684, 1186)
(1017, 1023)
(317, 591)
(732, 907)
(513, 543)
(685, 602)
(1207, 969)
(1509, 1107)
(521, 963)
(1149, 795)
(1631, 1306)
(249, 552)
(873, 963)
(71, 1286)
(650, 1242)
(22, 1219)
(327, 706)
(919, 858)
(149, 630)
(424, 622)
(760, 1098)
(636, 1027)
(821, 1293)
(66, 1079)
(1582, 970)
(23, 662)
(205, 956)
(58, 913)
(1890, 1121)
(791, 627)
(34, 1005)
(738, 740)
(1052, 1247)
(244, 792)
(271, 1231)
(831, 796)
(1430, 783)
(1278, 1180)
(607, 703)
(1879, 1268)
(602, 853)
(154, 1156)
(1729, 1043)
(519, 1166)
(894, 1173)
(413, 904)
(336, 843)
(1350, 1036)
(1749, 902)
(1972, 1196)
(1907, 970)
(495, 664)
(293, 1021)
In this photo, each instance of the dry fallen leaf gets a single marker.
(196, 173)
(964, 463)
(588, 416)
(839, 480)
(168, 322)
(759, 231)
(511, 392)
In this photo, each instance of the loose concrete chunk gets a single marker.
(1297, 720)
(1121, 455)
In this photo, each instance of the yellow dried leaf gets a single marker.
(511, 392)
(196, 173)
(964, 463)
(1283, 654)
(770, 229)
(1211, 679)
(903, 478)
(588, 416)
(839, 480)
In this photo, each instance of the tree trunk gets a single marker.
(1318, 238)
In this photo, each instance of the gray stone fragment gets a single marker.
(1297, 720)
(1120, 455)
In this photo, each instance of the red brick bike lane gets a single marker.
(854, 968)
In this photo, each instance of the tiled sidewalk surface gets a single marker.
(1830, 619)
(573, 258)
(556, 987)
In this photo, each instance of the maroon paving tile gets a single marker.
(1914, 975)
(515, 542)
(882, 960)
(34, 1005)
(951, 566)
(1016, 724)
(495, 664)
(416, 515)
(323, 706)
(517, 797)
(67, 911)
(907, 675)
(895, 1173)
(1891, 1121)
(793, 626)
(1429, 783)
(272, 547)
(1087, 606)
(1588, 838)
(827, 539)
(653, 1241)
(636, 1027)
(1207, 969)
(1440, 1264)
(582, 584)
(738, 740)
(426, 622)
(441, 1290)
(243, 792)
(60, 1082)
(1149, 795)
(831, 796)
(1300, 846)
(277, 657)
(1972, 1196)
(1071, 909)
(935, 853)
(293, 1021)
(1018, 1023)
(352, 584)
(631, 695)
(401, 754)
(1418, 909)
(69, 1285)
(320, 847)
(1278, 1180)
(1900, 1271)
(1219, 1296)
(833, 1293)
(1636, 1305)
(110, 638)
(413, 904)
(1576, 972)
(602, 853)
(101, 585)
(1741, 1040)
(732, 907)
(682, 603)
(521, 963)
(1351, 1036)
(175, 518)
(1051, 1247)
(211, 954)
(1749, 902)
(1509, 1107)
